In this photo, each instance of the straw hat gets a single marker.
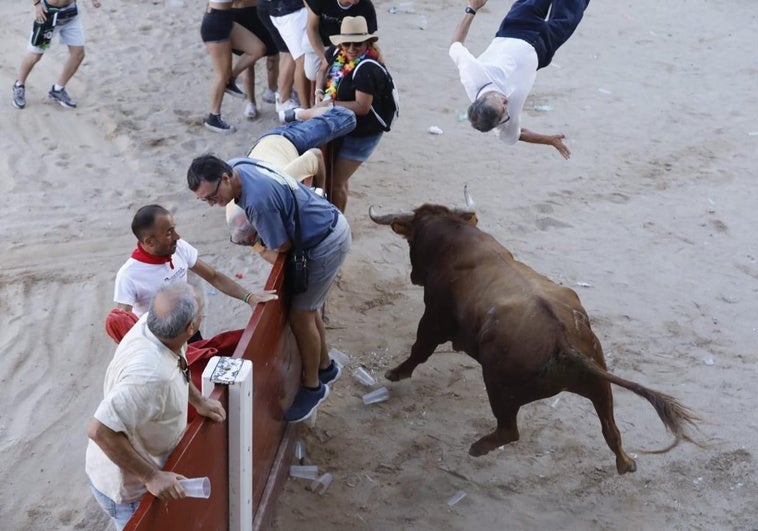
(353, 29)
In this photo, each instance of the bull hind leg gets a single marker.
(599, 392)
(505, 411)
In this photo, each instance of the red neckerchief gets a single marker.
(141, 255)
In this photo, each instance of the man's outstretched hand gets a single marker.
(557, 142)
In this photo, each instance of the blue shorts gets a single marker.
(358, 147)
(217, 25)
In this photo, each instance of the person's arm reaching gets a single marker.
(228, 286)
(161, 484)
(549, 140)
(461, 30)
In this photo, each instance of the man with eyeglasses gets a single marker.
(143, 414)
(499, 80)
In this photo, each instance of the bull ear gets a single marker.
(402, 226)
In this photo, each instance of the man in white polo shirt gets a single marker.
(499, 80)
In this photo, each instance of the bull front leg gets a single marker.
(428, 337)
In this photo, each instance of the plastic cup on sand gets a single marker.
(196, 487)
(377, 395)
(339, 356)
(304, 471)
(321, 484)
(363, 376)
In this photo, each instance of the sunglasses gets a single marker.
(211, 197)
(354, 44)
(183, 367)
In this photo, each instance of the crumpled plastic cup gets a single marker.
(321, 484)
(196, 487)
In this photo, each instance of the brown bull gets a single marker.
(531, 336)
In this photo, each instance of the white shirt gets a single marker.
(146, 399)
(508, 66)
(137, 282)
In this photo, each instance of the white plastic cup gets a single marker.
(339, 356)
(304, 471)
(300, 451)
(196, 487)
(364, 377)
(377, 395)
(321, 484)
(458, 496)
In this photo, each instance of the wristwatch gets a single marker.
(470, 10)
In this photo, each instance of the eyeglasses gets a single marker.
(353, 44)
(183, 367)
(211, 197)
(505, 118)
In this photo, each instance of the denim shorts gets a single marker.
(120, 513)
(324, 263)
(358, 147)
(217, 25)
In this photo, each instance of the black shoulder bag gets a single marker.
(296, 267)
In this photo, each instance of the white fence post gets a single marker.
(237, 373)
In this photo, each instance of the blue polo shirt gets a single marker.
(268, 202)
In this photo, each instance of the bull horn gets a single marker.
(385, 219)
(469, 202)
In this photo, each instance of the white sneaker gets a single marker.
(269, 96)
(251, 111)
(286, 106)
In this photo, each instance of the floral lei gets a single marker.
(341, 68)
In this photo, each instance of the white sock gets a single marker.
(56, 87)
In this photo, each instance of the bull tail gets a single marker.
(674, 415)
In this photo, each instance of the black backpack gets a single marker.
(386, 106)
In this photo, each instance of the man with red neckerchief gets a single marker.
(161, 257)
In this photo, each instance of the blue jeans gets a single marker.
(120, 513)
(307, 134)
(528, 20)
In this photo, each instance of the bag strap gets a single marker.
(387, 74)
(291, 185)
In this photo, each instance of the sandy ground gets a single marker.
(651, 221)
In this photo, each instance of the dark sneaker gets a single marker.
(62, 97)
(330, 374)
(306, 402)
(215, 123)
(19, 96)
(233, 90)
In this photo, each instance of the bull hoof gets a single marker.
(394, 375)
(625, 464)
(480, 448)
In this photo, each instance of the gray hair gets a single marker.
(172, 308)
(483, 116)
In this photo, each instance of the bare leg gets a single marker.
(75, 58)
(30, 59)
(286, 76)
(244, 40)
(221, 57)
(310, 343)
(343, 170)
(302, 83)
(272, 71)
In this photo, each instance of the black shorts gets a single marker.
(263, 16)
(217, 25)
(247, 17)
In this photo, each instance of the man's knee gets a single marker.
(76, 52)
